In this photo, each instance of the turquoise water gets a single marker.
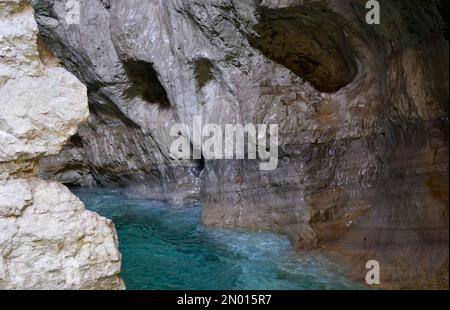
(165, 247)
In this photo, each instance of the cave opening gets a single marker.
(308, 40)
(145, 83)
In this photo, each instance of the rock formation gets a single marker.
(362, 110)
(47, 238)
(126, 139)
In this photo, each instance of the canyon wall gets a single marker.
(47, 238)
(362, 113)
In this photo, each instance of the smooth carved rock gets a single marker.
(362, 112)
(126, 139)
(310, 41)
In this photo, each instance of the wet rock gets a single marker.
(362, 113)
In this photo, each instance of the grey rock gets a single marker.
(126, 139)
(362, 111)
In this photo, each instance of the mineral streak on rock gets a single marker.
(48, 240)
(362, 113)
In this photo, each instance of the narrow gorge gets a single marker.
(362, 114)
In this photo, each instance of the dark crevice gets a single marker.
(145, 83)
(203, 71)
(201, 164)
(106, 4)
(44, 8)
(76, 141)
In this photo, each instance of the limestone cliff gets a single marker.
(362, 110)
(47, 238)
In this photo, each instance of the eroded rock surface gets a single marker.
(47, 238)
(127, 137)
(49, 241)
(362, 111)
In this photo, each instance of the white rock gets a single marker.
(40, 107)
(40, 113)
(47, 238)
(54, 243)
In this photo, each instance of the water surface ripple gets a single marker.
(166, 247)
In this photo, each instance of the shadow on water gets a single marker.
(166, 247)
